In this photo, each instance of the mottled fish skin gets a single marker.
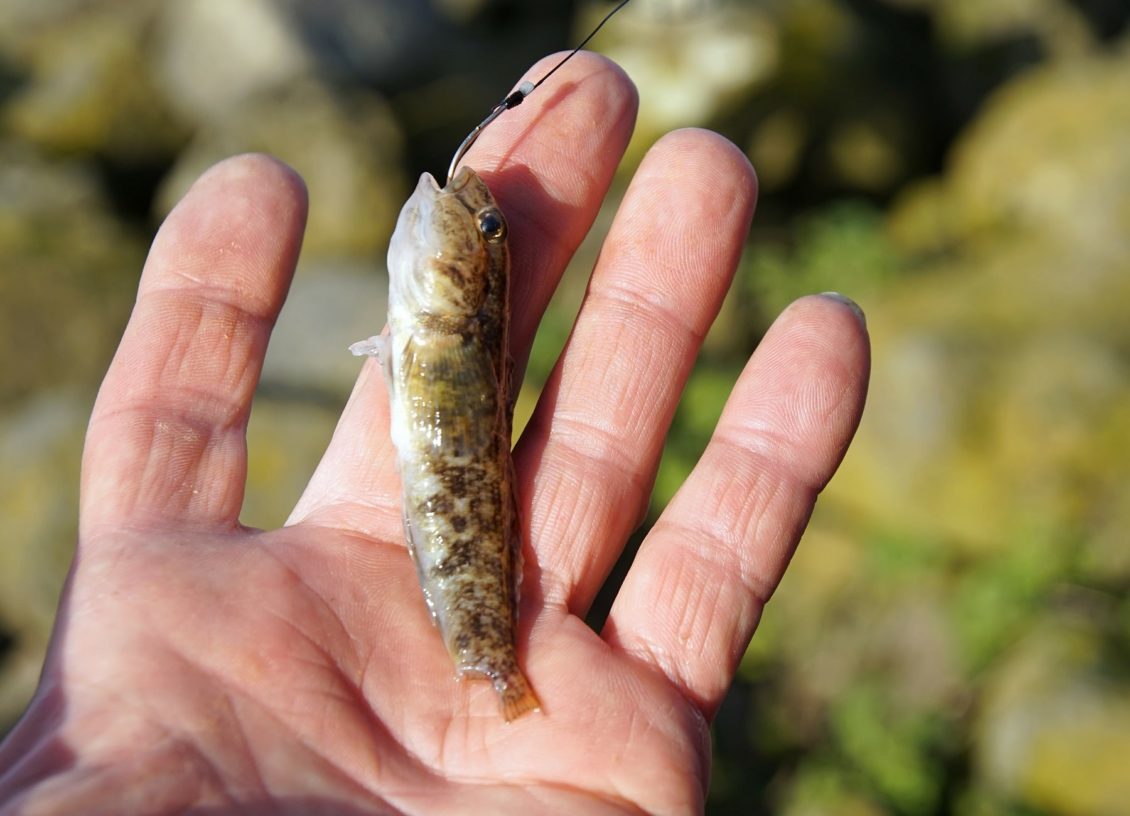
(448, 369)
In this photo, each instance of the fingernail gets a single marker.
(851, 304)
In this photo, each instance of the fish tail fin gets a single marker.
(516, 697)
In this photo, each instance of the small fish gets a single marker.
(447, 365)
(448, 371)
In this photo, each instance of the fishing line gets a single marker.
(517, 97)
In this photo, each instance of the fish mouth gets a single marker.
(414, 230)
(462, 176)
(427, 185)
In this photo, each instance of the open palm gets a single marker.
(199, 665)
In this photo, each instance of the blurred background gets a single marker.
(953, 635)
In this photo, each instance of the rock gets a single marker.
(710, 59)
(776, 148)
(381, 42)
(987, 482)
(327, 310)
(866, 153)
(988, 415)
(213, 57)
(997, 380)
(347, 147)
(21, 20)
(1049, 153)
(1054, 726)
(1060, 28)
(40, 446)
(71, 270)
(90, 89)
(286, 437)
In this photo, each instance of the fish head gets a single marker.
(448, 253)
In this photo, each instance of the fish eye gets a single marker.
(492, 225)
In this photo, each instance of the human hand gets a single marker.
(200, 665)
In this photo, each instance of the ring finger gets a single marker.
(590, 452)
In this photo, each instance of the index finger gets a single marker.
(166, 439)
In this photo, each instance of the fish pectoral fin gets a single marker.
(454, 361)
(451, 393)
(379, 346)
(375, 346)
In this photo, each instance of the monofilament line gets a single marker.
(517, 97)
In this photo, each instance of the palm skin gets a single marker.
(199, 665)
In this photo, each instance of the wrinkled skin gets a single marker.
(201, 666)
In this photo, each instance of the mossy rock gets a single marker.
(1054, 723)
(89, 87)
(1000, 369)
(70, 272)
(346, 146)
(41, 446)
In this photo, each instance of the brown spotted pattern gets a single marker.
(452, 381)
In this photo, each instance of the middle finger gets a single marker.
(592, 447)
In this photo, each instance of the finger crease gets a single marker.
(724, 555)
(572, 433)
(242, 302)
(201, 412)
(775, 451)
(660, 310)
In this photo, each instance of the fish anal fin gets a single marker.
(450, 393)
